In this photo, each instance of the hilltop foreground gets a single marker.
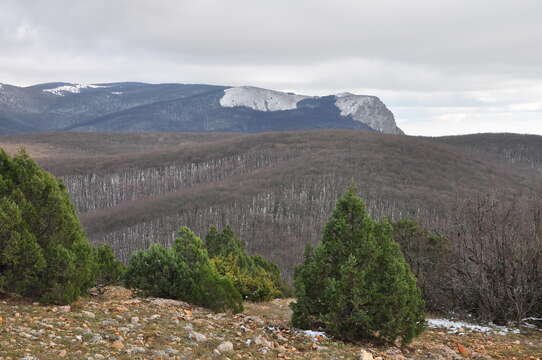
(116, 324)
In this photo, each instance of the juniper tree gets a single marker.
(44, 253)
(356, 283)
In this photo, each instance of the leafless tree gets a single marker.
(498, 247)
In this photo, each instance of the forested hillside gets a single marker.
(514, 148)
(276, 190)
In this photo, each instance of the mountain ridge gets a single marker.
(170, 107)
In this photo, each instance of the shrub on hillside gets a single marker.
(109, 270)
(182, 272)
(254, 277)
(44, 254)
(356, 283)
(429, 257)
(155, 272)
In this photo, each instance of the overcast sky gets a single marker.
(443, 67)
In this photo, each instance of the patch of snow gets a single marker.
(349, 104)
(368, 110)
(458, 326)
(365, 109)
(1, 86)
(314, 334)
(117, 92)
(260, 99)
(525, 323)
(532, 319)
(72, 88)
(343, 94)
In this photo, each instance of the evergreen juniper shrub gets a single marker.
(182, 272)
(44, 254)
(356, 283)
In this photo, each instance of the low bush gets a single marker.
(182, 272)
(254, 277)
(429, 256)
(109, 270)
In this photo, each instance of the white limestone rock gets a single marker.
(260, 99)
(368, 110)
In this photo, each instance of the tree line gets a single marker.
(97, 191)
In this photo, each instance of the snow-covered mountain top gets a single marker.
(349, 104)
(369, 110)
(271, 100)
(344, 94)
(363, 108)
(71, 88)
(260, 99)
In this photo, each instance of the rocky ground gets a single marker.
(118, 325)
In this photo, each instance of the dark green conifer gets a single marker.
(109, 270)
(157, 272)
(44, 253)
(356, 284)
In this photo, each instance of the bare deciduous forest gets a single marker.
(276, 190)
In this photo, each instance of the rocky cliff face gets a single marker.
(369, 110)
(138, 107)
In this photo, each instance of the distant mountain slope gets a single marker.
(204, 113)
(517, 149)
(8, 126)
(275, 189)
(140, 107)
(56, 106)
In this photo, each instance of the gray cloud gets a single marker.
(442, 66)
